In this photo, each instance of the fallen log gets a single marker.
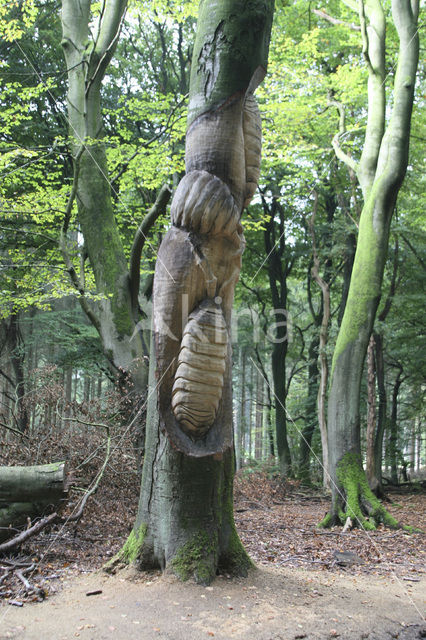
(30, 492)
(43, 483)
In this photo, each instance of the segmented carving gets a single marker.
(252, 128)
(204, 203)
(198, 382)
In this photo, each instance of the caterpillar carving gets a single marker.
(198, 382)
(204, 203)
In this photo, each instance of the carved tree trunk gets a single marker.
(380, 171)
(185, 518)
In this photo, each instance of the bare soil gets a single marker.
(271, 604)
(309, 583)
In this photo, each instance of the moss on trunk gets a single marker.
(355, 500)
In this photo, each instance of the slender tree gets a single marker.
(185, 518)
(117, 281)
(380, 171)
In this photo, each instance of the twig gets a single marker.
(322, 14)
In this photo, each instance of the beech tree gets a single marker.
(185, 519)
(116, 314)
(380, 172)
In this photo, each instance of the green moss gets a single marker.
(130, 550)
(365, 285)
(196, 558)
(235, 560)
(326, 522)
(353, 481)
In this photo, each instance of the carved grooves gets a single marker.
(203, 203)
(198, 383)
(252, 128)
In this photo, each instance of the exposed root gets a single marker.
(356, 501)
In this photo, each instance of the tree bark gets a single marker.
(29, 492)
(380, 171)
(47, 483)
(311, 419)
(279, 268)
(371, 413)
(185, 517)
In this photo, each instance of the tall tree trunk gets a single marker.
(259, 415)
(380, 171)
(18, 363)
(323, 338)
(240, 412)
(116, 315)
(311, 418)
(393, 429)
(371, 413)
(279, 268)
(185, 517)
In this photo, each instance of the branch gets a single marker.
(28, 533)
(419, 258)
(389, 299)
(326, 16)
(156, 210)
(342, 155)
(365, 44)
(77, 284)
(76, 281)
(352, 4)
(76, 171)
(109, 31)
(18, 433)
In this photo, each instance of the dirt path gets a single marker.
(271, 604)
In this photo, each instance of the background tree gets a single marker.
(380, 171)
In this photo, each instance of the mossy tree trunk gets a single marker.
(185, 519)
(380, 171)
(116, 315)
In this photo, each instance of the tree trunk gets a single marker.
(116, 315)
(240, 412)
(393, 430)
(29, 492)
(185, 517)
(259, 416)
(371, 414)
(17, 360)
(311, 418)
(47, 483)
(279, 268)
(380, 171)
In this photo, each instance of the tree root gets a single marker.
(356, 501)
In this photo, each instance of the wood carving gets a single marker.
(204, 204)
(197, 388)
(197, 268)
(252, 128)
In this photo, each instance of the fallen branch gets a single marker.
(28, 533)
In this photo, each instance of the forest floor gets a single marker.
(309, 583)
